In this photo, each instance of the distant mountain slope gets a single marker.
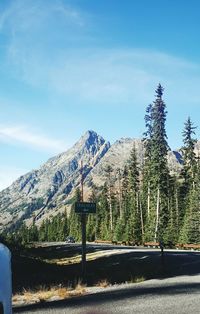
(119, 154)
(116, 157)
(48, 190)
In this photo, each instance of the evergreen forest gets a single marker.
(140, 203)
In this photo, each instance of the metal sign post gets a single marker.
(84, 208)
(83, 226)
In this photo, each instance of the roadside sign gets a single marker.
(85, 208)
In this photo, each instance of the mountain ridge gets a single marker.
(44, 192)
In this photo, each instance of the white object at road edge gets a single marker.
(5, 279)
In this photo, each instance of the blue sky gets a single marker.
(69, 66)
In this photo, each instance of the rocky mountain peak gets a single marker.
(51, 185)
(92, 137)
(91, 142)
(42, 193)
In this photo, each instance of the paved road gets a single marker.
(172, 295)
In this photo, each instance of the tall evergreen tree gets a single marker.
(104, 231)
(119, 192)
(157, 169)
(173, 227)
(190, 232)
(133, 224)
(190, 188)
(146, 166)
(189, 157)
(121, 226)
(108, 171)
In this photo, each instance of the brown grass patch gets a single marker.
(103, 283)
(44, 294)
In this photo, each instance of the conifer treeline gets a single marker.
(140, 203)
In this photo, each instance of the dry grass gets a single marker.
(137, 279)
(44, 294)
(103, 283)
(80, 288)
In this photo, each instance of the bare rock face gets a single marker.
(116, 157)
(197, 148)
(48, 190)
(119, 154)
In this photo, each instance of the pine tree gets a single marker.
(173, 227)
(33, 233)
(188, 154)
(65, 226)
(146, 166)
(103, 231)
(23, 234)
(121, 224)
(43, 235)
(108, 172)
(125, 182)
(190, 232)
(133, 224)
(119, 192)
(190, 188)
(147, 135)
(156, 169)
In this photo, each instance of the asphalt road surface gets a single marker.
(172, 295)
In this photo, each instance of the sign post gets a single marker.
(84, 208)
(83, 226)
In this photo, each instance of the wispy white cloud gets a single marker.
(114, 76)
(71, 14)
(40, 52)
(35, 30)
(23, 15)
(21, 135)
